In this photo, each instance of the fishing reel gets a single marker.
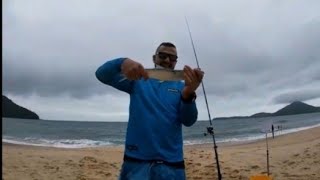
(209, 131)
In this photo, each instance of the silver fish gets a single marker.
(165, 74)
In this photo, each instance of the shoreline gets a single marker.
(223, 144)
(293, 156)
(233, 143)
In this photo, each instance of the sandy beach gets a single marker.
(294, 156)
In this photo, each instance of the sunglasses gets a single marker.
(163, 56)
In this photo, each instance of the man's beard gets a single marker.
(161, 67)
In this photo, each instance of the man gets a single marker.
(157, 111)
(272, 129)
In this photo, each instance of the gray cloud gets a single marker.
(252, 52)
(304, 95)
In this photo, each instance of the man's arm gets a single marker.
(188, 111)
(110, 73)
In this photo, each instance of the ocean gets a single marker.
(79, 134)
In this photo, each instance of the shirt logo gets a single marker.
(173, 90)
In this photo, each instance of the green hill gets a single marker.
(296, 107)
(12, 110)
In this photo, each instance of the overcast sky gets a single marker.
(257, 56)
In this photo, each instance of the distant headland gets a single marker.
(296, 107)
(12, 110)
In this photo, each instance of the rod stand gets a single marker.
(209, 131)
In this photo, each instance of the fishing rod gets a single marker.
(210, 128)
(268, 172)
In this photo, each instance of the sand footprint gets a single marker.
(88, 158)
(107, 174)
(114, 165)
(285, 162)
(81, 177)
(308, 155)
(198, 164)
(205, 173)
(70, 163)
(305, 168)
(196, 177)
(265, 172)
(196, 170)
(291, 163)
(104, 173)
(233, 175)
(236, 171)
(255, 167)
(209, 166)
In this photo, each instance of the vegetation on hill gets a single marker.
(12, 110)
(296, 107)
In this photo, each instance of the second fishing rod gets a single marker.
(210, 128)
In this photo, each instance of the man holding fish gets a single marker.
(161, 101)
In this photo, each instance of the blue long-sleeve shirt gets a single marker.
(156, 114)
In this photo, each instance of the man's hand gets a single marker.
(193, 78)
(133, 70)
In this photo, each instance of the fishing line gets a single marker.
(210, 128)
